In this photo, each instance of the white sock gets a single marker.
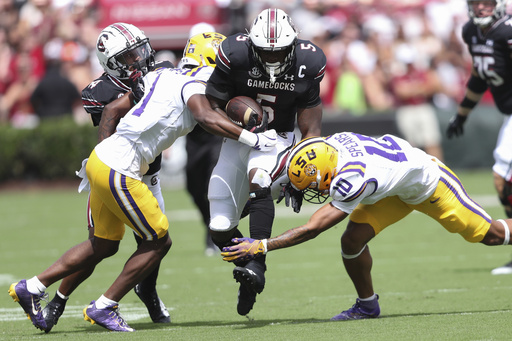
(371, 298)
(104, 302)
(34, 286)
(61, 295)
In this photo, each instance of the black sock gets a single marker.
(58, 299)
(261, 216)
(148, 284)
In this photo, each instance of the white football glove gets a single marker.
(84, 184)
(266, 140)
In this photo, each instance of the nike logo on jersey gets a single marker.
(434, 201)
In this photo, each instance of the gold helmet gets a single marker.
(201, 50)
(311, 166)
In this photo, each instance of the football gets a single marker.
(239, 109)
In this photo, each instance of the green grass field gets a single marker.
(432, 285)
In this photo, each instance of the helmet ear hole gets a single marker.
(327, 178)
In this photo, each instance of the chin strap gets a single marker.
(271, 74)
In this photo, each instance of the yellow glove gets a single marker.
(245, 249)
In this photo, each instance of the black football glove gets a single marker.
(288, 192)
(137, 85)
(253, 120)
(455, 127)
(507, 194)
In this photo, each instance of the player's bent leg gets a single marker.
(498, 233)
(86, 254)
(357, 258)
(139, 266)
(146, 291)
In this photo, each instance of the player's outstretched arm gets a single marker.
(246, 249)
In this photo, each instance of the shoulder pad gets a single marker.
(313, 57)
(350, 183)
(234, 50)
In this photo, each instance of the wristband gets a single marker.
(264, 242)
(248, 138)
(467, 103)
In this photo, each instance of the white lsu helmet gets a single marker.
(500, 10)
(121, 48)
(273, 38)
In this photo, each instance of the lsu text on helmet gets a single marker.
(201, 50)
(273, 38)
(500, 7)
(311, 166)
(122, 48)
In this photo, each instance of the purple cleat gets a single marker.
(107, 318)
(29, 302)
(360, 310)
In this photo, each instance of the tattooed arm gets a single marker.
(112, 114)
(323, 219)
(246, 249)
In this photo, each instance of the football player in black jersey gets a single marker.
(122, 49)
(283, 73)
(488, 34)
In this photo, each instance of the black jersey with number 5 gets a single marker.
(236, 74)
(491, 53)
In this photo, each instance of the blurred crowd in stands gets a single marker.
(47, 52)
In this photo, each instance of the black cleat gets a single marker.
(246, 299)
(251, 283)
(53, 311)
(156, 308)
(250, 276)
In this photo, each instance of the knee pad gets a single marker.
(220, 224)
(262, 178)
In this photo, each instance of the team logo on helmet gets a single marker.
(310, 169)
(191, 48)
(100, 46)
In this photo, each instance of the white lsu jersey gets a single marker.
(370, 169)
(152, 126)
